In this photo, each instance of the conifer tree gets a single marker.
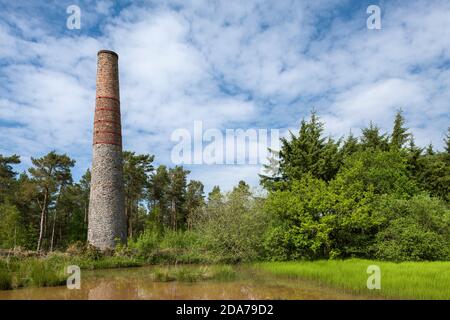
(447, 141)
(372, 138)
(194, 200)
(350, 146)
(307, 152)
(400, 134)
(50, 173)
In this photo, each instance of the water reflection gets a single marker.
(137, 283)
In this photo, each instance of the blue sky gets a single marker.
(230, 64)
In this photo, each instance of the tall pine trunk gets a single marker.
(54, 219)
(41, 225)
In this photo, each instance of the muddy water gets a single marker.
(137, 283)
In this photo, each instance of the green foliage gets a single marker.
(383, 172)
(136, 171)
(145, 244)
(31, 272)
(417, 230)
(194, 273)
(42, 274)
(223, 273)
(50, 174)
(341, 218)
(167, 246)
(400, 134)
(7, 176)
(300, 220)
(233, 230)
(405, 240)
(194, 200)
(12, 232)
(306, 153)
(6, 279)
(329, 198)
(447, 141)
(372, 138)
(434, 174)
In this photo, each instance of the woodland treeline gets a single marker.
(44, 209)
(377, 195)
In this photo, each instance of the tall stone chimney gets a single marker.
(107, 221)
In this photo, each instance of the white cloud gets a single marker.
(222, 63)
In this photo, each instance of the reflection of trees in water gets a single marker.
(138, 284)
(116, 289)
(248, 292)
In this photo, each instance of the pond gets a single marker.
(138, 283)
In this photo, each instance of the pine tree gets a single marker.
(373, 139)
(350, 146)
(215, 195)
(177, 196)
(414, 154)
(7, 175)
(136, 175)
(400, 133)
(307, 152)
(50, 173)
(447, 141)
(194, 200)
(158, 195)
(429, 151)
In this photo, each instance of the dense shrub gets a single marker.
(11, 229)
(404, 239)
(299, 227)
(6, 279)
(418, 230)
(369, 209)
(144, 245)
(233, 231)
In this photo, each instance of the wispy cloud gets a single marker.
(233, 64)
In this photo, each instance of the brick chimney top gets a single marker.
(110, 52)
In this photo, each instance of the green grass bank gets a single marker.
(404, 280)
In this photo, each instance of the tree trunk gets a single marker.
(127, 217)
(85, 211)
(131, 220)
(41, 227)
(53, 231)
(54, 219)
(174, 216)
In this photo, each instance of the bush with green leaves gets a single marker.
(12, 232)
(339, 218)
(233, 231)
(300, 223)
(418, 229)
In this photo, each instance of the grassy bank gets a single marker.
(405, 280)
(194, 273)
(50, 270)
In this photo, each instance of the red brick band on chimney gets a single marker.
(108, 109)
(106, 97)
(107, 127)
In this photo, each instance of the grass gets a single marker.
(5, 280)
(42, 274)
(16, 273)
(405, 280)
(50, 271)
(194, 273)
(223, 273)
(105, 262)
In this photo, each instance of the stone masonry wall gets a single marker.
(107, 220)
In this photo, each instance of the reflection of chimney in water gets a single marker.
(107, 220)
